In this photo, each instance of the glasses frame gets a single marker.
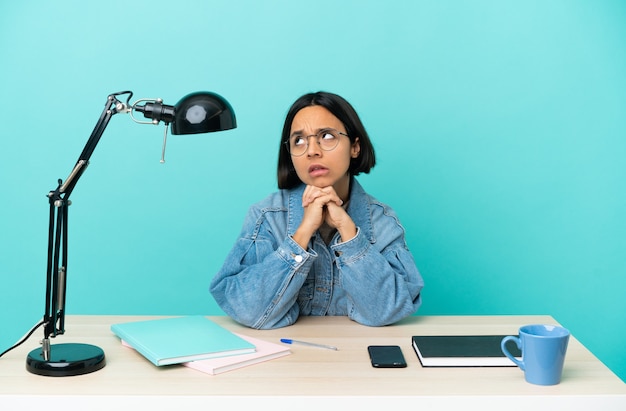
(318, 136)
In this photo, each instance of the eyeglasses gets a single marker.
(328, 139)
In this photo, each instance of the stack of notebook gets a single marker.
(196, 342)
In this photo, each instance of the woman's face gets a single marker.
(318, 167)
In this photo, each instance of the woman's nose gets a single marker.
(313, 147)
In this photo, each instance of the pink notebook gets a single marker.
(265, 351)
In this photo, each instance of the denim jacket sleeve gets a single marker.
(379, 274)
(259, 282)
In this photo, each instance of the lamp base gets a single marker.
(66, 360)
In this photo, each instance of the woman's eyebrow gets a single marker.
(301, 132)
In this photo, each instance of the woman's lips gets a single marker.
(317, 170)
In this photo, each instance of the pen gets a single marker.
(290, 341)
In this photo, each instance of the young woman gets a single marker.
(320, 245)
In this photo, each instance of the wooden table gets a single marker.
(311, 378)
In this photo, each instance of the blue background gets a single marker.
(499, 127)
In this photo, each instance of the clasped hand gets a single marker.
(322, 204)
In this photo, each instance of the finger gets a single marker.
(334, 197)
(312, 193)
(308, 195)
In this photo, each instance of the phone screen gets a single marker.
(386, 356)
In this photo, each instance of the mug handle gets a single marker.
(506, 352)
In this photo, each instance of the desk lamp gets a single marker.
(199, 112)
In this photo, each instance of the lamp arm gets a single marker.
(112, 107)
(54, 314)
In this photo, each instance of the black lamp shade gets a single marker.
(202, 112)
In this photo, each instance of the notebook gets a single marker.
(265, 351)
(177, 340)
(462, 351)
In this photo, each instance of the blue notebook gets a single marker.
(181, 339)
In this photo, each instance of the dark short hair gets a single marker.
(340, 108)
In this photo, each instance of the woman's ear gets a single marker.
(355, 149)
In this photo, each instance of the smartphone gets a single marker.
(386, 356)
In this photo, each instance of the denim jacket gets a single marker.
(268, 280)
